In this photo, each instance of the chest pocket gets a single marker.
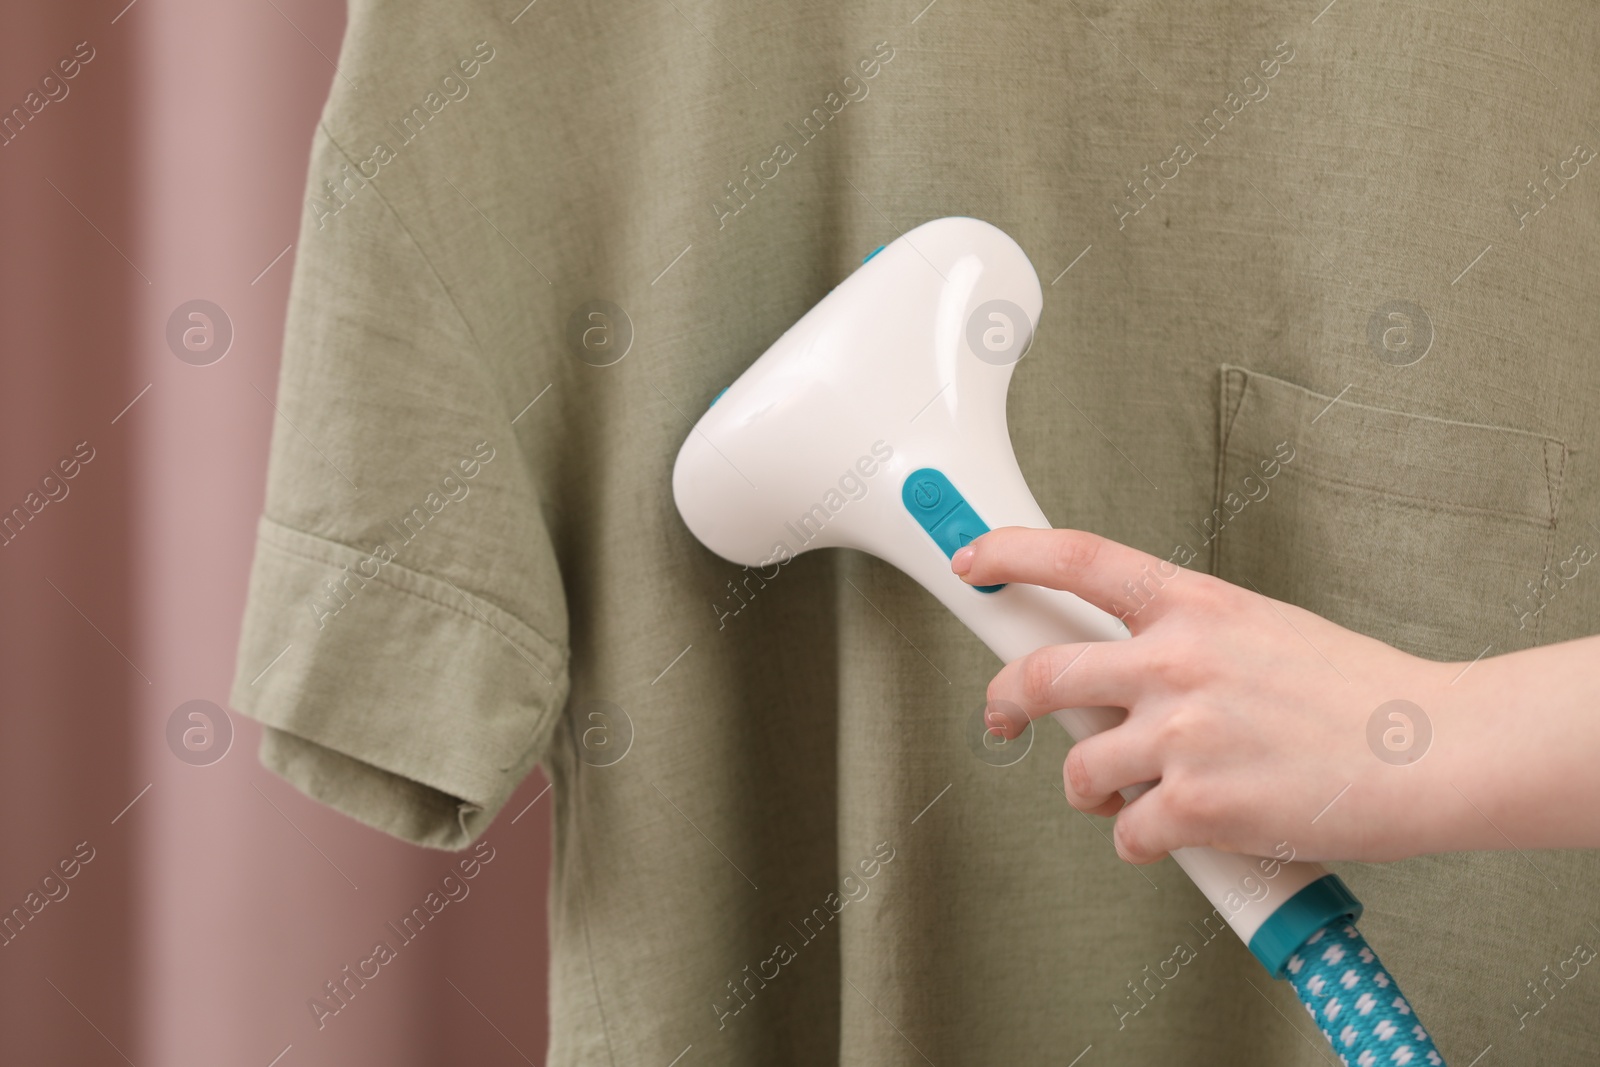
(1422, 532)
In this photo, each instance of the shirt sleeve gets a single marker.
(404, 642)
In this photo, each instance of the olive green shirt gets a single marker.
(537, 244)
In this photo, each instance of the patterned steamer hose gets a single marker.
(1357, 1005)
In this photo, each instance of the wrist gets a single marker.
(1487, 781)
(1429, 742)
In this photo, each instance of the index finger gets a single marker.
(1117, 579)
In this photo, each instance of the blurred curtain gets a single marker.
(158, 904)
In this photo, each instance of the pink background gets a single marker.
(221, 900)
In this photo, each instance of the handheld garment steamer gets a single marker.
(915, 351)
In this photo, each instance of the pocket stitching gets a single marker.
(1552, 482)
(1421, 503)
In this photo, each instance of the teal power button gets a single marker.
(943, 512)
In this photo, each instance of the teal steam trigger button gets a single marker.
(943, 512)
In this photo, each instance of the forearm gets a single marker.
(1518, 744)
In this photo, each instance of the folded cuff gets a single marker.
(401, 699)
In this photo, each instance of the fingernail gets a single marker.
(961, 562)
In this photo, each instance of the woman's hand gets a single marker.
(1251, 715)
